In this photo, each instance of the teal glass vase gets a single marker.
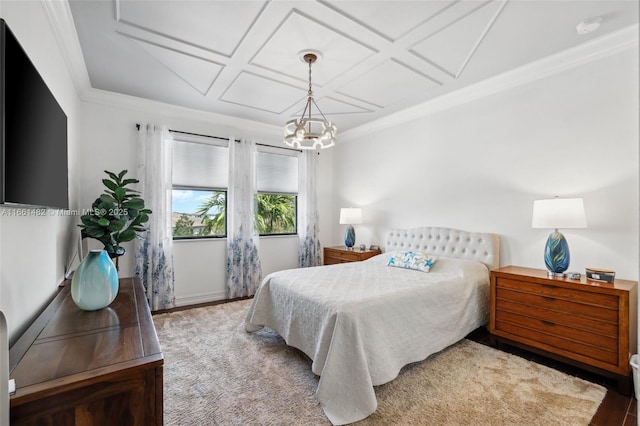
(95, 283)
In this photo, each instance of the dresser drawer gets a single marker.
(557, 304)
(561, 343)
(552, 328)
(588, 323)
(555, 292)
(345, 256)
(332, 261)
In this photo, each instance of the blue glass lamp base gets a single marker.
(556, 254)
(350, 237)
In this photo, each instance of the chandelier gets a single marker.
(309, 132)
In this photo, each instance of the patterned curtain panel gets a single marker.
(244, 271)
(308, 229)
(154, 252)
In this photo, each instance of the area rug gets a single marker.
(217, 374)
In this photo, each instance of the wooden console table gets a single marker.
(103, 367)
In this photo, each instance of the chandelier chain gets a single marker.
(310, 92)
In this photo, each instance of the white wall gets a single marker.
(109, 143)
(35, 250)
(480, 166)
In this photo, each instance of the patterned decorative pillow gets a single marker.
(411, 260)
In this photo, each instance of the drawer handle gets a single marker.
(545, 322)
(549, 298)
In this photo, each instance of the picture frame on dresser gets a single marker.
(588, 324)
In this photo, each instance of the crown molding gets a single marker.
(244, 126)
(602, 47)
(61, 20)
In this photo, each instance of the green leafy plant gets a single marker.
(116, 216)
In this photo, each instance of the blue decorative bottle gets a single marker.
(95, 283)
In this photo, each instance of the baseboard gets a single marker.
(196, 299)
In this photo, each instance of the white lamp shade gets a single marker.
(350, 216)
(559, 213)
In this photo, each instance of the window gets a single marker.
(198, 213)
(200, 185)
(200, 180)
(277, 185)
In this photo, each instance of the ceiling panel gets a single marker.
(387, 84)
(297, 33)
(391, 20)
(450, 46)
(331, 106)
(203, 24)
(254, 91)
(199, 73)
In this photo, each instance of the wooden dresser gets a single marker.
(341, 254)
(590, 324)
(104, 367)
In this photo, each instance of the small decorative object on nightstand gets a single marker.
(558, 213)
(349, 217)
(342, 254)
(599, 274)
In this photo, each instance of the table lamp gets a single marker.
(558, 213)
(349, 217)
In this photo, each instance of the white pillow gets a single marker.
(411, 260)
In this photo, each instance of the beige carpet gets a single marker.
(217, 374)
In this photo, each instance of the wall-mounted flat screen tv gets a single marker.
(33, 145)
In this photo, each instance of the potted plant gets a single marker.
(116, 216)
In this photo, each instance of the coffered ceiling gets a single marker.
(242, 58)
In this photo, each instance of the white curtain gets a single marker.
(244, 271)
(308, 229)
(154, 252)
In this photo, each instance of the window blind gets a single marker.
(200, 165)
(277, 173)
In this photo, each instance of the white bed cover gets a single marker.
(362, 322)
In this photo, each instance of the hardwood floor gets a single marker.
(615, 410)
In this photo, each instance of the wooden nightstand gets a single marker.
(589, 324)
(341, 254)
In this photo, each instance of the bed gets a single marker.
(361, 322)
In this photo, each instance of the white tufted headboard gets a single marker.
(481, 247)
